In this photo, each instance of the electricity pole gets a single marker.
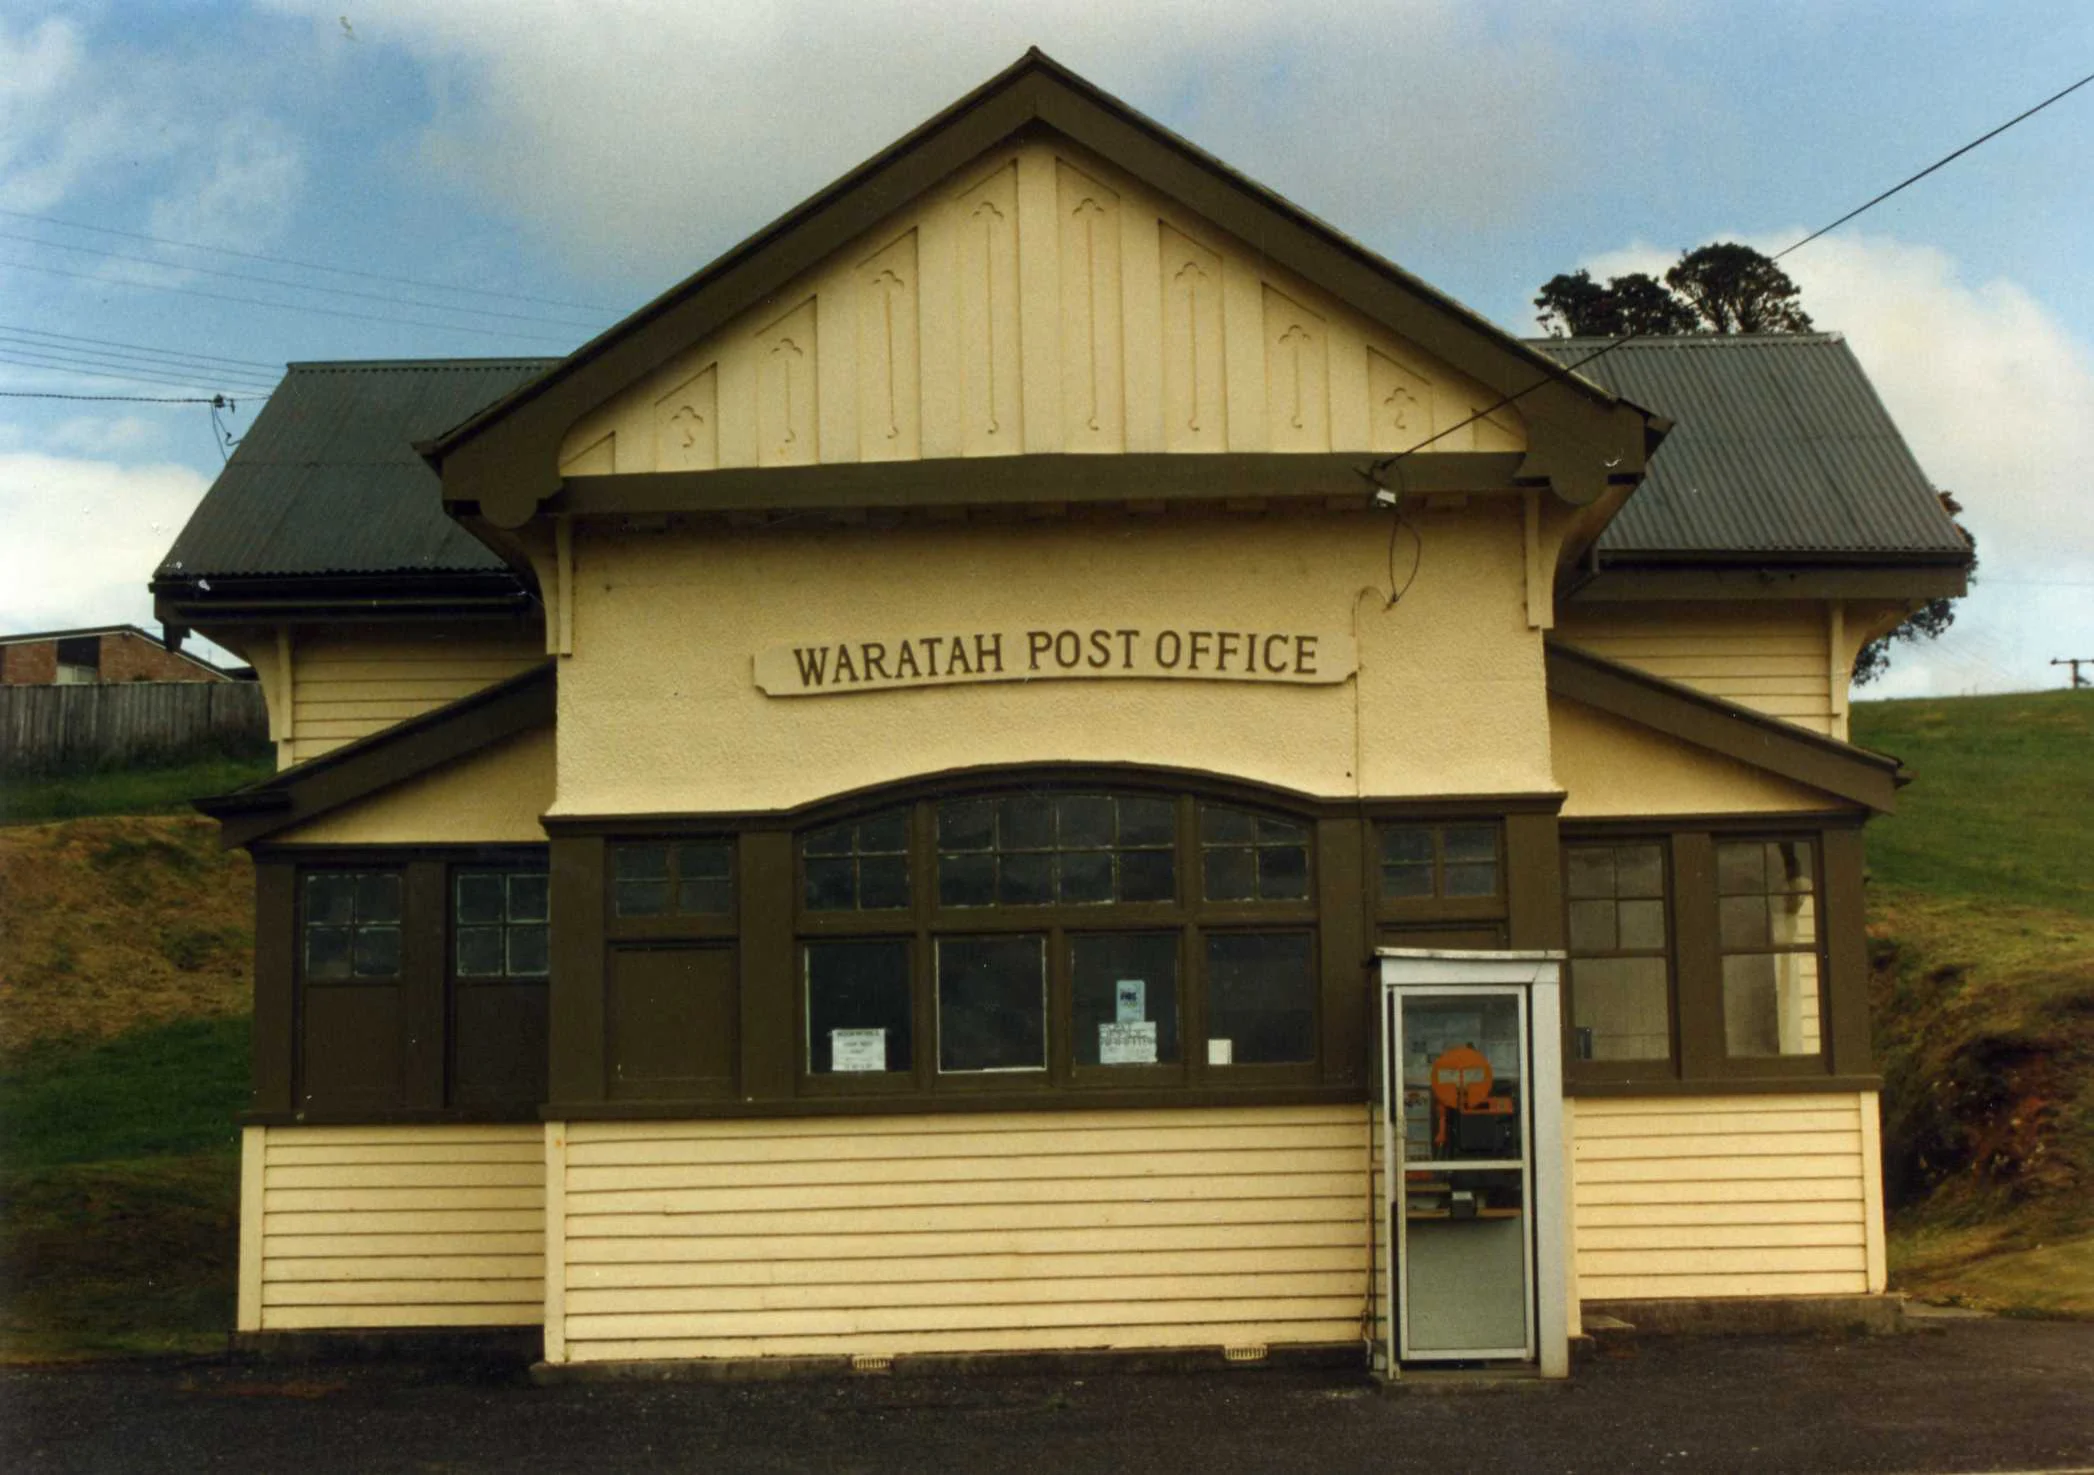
(2075, 662)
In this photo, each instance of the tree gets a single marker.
(1722, 287)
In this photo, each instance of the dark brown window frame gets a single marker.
(1577, 1071)
(1801, 1063)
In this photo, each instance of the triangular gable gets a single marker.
(373, 765)
(1737, 733)
(981, 162)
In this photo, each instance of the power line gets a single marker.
(331, 312)
(144, 347)
(97, 358)
(241, 276)
(124, 399)
(190, 382)
(1563, 371)
(369, 276)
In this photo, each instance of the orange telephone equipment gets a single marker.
(1461, 1089)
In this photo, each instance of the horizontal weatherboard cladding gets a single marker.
(1779, 447)
(327, 480)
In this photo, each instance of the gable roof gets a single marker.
(229, 673)
(326, 481)
(1780, 449)
(502, 462)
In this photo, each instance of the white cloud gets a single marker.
(1996, 399)
(83, 537)
(103, 433)
(238, 194)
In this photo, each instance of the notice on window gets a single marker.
(1221, 1052)
(857, 1049)
(1131, 1000)
(1130, 1043)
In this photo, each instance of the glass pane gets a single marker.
(1771, 1004)
(884, 834)
(836, 840)
(1219, 826)
(992, 1003)
(1461, 1078)
(1470, 843)
(1025, 824)
(479, 952)
(1025, 880)
(482, 897)
(832, 884)
(1087, 876)
(1741, 921)
(1641, 870)
(1283, 873)
(1124, 998)
(1402, 881)
(1406, 845)
(1148, 875)
(1470, 878)
(1741, 868)
(883, 882)
(1642, 926)
(706, 862)
(327, 952)
(1231, 874)
(1794, 920)
(376, 952)
(330, 899)
(1620, 1009)
(1588, 871)
(640, 862)
(1086, 821)
(1148, 822)
(1281, 832)
(530, 897)
(530, 951)
(966, 880)
(378, 897)
(704, 898)
(640, 898)
(1261, 998)
(967, 825)
(1592, 927)
(858, 1013)
(1789, 865)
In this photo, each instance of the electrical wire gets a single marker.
(123, 399)
(241, 276)
(132, 378)
(369, 276)
(103, 359)
(172, 353)
(331, 312)
(1564, 371)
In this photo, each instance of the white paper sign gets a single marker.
(1127, 1044)
(1221, 1052)
(857, 1049)
(1131, 997)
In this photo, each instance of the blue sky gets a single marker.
(579, 159)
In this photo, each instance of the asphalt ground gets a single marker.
(1987, 1395)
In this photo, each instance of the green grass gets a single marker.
(119, 1181)
(29, 799)
(2002, 803)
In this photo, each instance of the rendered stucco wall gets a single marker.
(659, 712)
(1611, 767)
(494, 796)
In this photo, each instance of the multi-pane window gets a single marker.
(352, 924)
(861, 866)
(1420, 862)
(1252, 857)
(1620, 971)
(692, 879)
(1044, 849)
(500, 924)
(1767, 933)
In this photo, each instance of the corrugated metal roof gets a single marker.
(326, 481)
(1780, 447)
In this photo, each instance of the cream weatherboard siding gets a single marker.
(971, 1233)
(351, 683)
(1774, 657)
(1709, 1196)
(392, 1226)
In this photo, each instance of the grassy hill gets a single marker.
(1981, 894)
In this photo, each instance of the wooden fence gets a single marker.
(63, 727)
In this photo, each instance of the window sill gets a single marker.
(920, 1103)
(1769, 1085)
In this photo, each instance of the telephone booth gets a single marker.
(1473, 1162)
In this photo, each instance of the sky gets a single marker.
(195, 194)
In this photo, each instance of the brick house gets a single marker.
(97, 654)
